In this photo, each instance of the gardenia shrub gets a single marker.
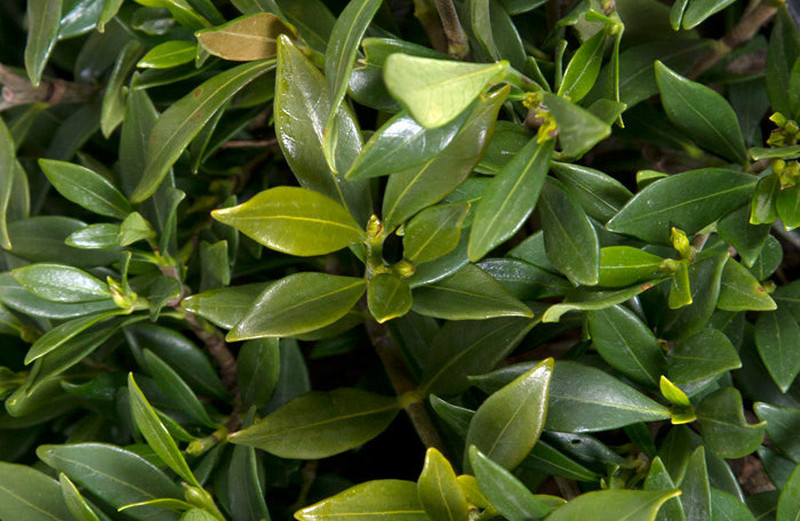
(439, 260)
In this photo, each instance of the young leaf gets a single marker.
(293, 220)
(606, 505)
(702, 113)
(43, 20)
(184, 119)
(585, 399)
(583, 68)
(168, 54)
(740, 291)
(86, 188)
(156, 434)
(570, 239)
(725, 430)
(509, 199)
(705, 354)
(388, 297)
(299, 303)
(438, 489)
(381, 500)
(59, 283)
(508, 424)
(623, 265)
(690, 201)
(247, 38)
(434, 232)
(468, 294)
(777, 336)
(436, 91)
(27, 494)
(320, 424)
(627, 344)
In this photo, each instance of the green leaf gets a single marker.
(507, 139)
(244, 486)
(15, 296)
(690, 201)
(627, 344)
(438, 490)
(777, 336)
(788, 206)
(147, 422)
(503, 490)
(224, 307)
(606, 505)
(583, 68)
(434, 232)
(320, 424)
(585, 399)
(381, 500)
(86, 188)
(509, 199)
(705, 354)
(59, 283)
(508, 424)
(701, 113)
(782, 424)
(299, 303)
(247, 38)
(469, 294)
(764, 208)
(696, 497)
(112, 110)
(94, 236)
(583, 299)
(197, 514)
(293, 220)
(789, 500)
(29, 495)
(8, 166)
(258, 369)
(623, 265)
(748, 239)
(402, 143)
(525, 281)
(698, 10)
(388, 297)
(740, 291)
(416, 188)
(77, 506)
(725, 506)
(570, 239)
(135, 228)
(658, 479)
(462, 349)
(168, 54)
(184, 119)
(544, 458)
(44, 17)
(783, 51)
(301, 110)
(578, 129)
(725, 430)
(600, 195)
(176, 390)
(436, 91)
(64, 333)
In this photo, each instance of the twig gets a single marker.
(457, 44)
(567, 487)
(18, 90)
(429, 19)
(250, 144)
(748, 26)
(404, 385)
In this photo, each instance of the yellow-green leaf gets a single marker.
(247, 38)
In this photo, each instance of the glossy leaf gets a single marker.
(299, 303)
(26, 493)
(388, 297)
(258, 369)
(63, 333)
(702, 113)
(224, 307)
(15, 296)
(545, 458)
(184, 119)
(438, 490)
(725, 430)
(705, 354)
(61, 283)
(244, 487)
(509, 199)
(44, 17)
(247, 38)
(735, 229)
(436, 91)
(627, 344)
(525, 281)
(76, 504)
(606, 505)
(504, 491)
(94, 236)
(589, 299)
(788, 206)
(689, 201)
(777, 336)
(168, 54)
(508, 424)
(382, 500)
(599, 194)
(585, 399)
(469, 294)
(578, 129)
(623, 265)
(696, 497)
(783, 51)
(176, 389)
(782, 424)
(320, 424)
(293, 220)
(658, 479)
(583, 68)
(86, 188)
(8, 166)
(434, 232)
(740, 291)
(569, 238)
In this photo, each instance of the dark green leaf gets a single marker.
(258, 368)
(788, 206)
(590, 299)
(725, 430)
(784, 49)
(525, 281)
(600, 195)
(63, 333)
(76, 504)
(176, 390)
(8, 166)
(748, 239)
(782, 426)
(28, 495)
(94, 236)
(15, 296)
(578, 129)
(112, 111)
(705, 354)
(224, 307)
(244, 487)
(696, 497)
(659, 479)
(44, 17)
(86, 188)
(698, 10)
(724, 506)
(382, 500)
(777, 336)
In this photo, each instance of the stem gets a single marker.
(429, 19)
(748, 26)
(405, 387)
(18, 90)
(457, 44)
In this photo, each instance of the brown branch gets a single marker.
(404, 385)
(18, 90)
(250, 144)
(457, 44)
(429, 19)
(752, 20)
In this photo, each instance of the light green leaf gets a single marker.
(438, 489)
(168, 54)
(388, 297)
(15, 296)
(583, 68)
(624, 265)
(509, 199)
(777, 336)
(74, 500)
(508, 424)
(60, 283)
(434, 232)
(690, 201)
(247, 38)
(299, 303)
(701, 113)
(724, 427)
(320, 424)
(44, 17)
(705, 354)
(740, 291)
(94, 236)
(29, 495)
(381, 500)
(436, 91)
(8, 165)
(606, 505)
(699, 10)
(184, 119)
(293, 220)
(86, 188)
(224, 307)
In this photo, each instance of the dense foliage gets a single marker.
(402, 261)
